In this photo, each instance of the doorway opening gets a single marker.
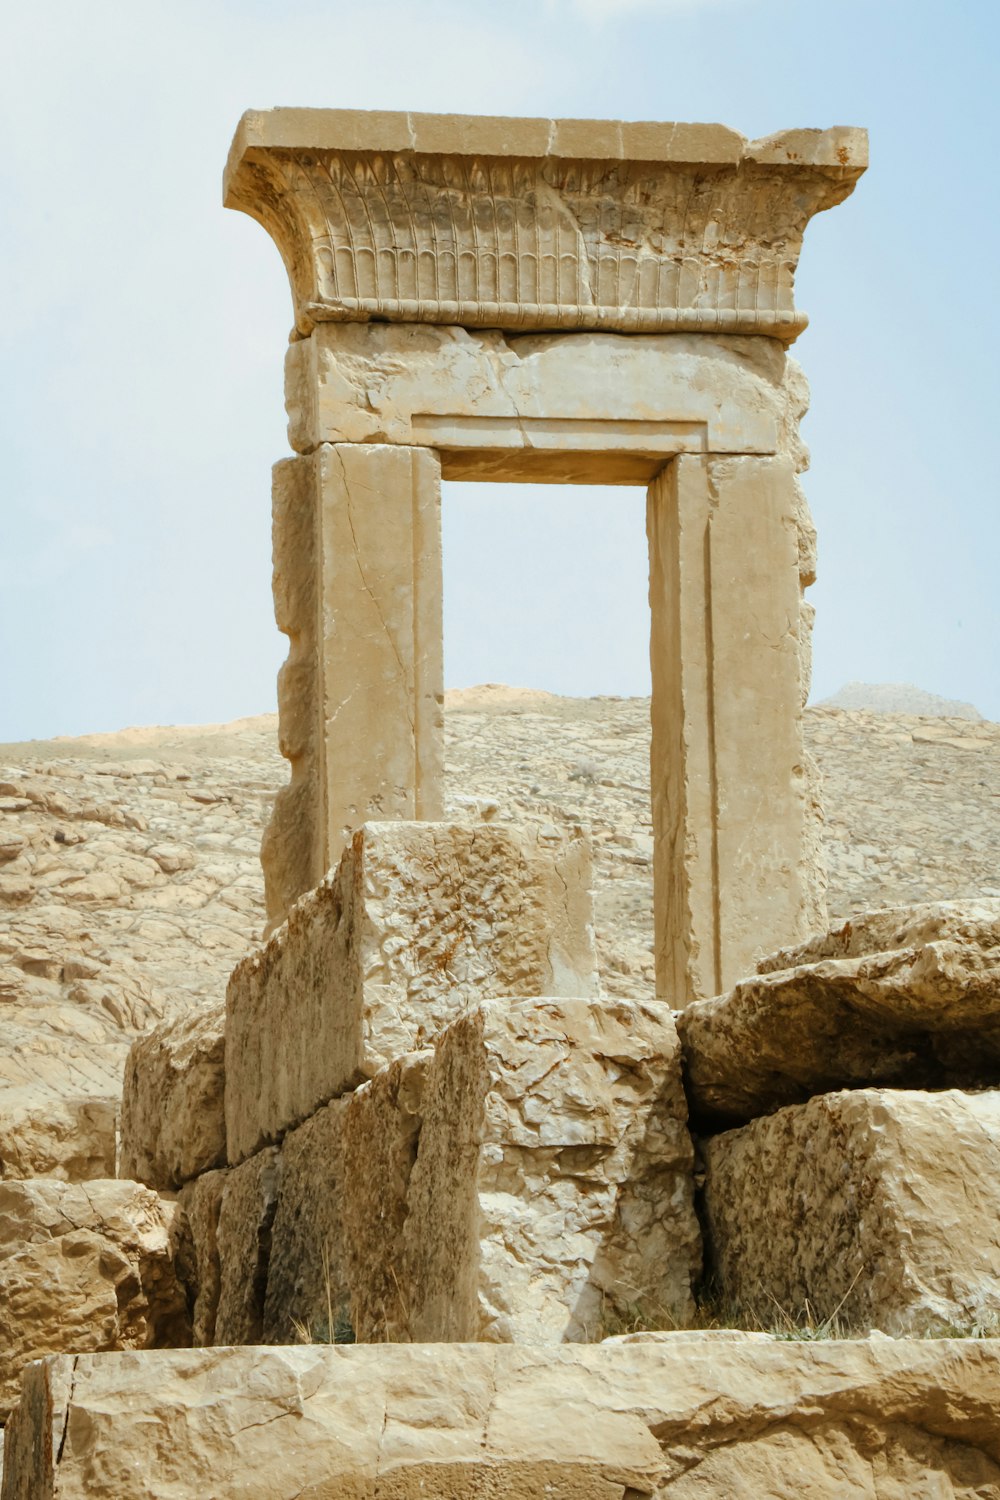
(546, 662)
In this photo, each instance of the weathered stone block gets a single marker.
(336, 1243)
(925, 1013)
(173, 1122)
(551, 1196)
(243, 1241)
(735, 856)
(84, 1267)
(691, 1416)
(420, 921)
(881, 1207)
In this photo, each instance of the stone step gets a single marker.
(691, 1416)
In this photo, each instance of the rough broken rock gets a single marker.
(689, 1416)
(420, 921)
(46, 1134)
(529, 1181)
(173, 1122)
(880, 1207)
(923, 1013)
(84, 1266)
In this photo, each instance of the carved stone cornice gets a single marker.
(537, 224)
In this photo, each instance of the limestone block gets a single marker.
(692, 1416)
(198, 1252)
(880, 1206)
(173, 1109)
(551, 1196)
(923, 1015)
(420, 921)
(84, 1267)
(357, 548)
(243, 1240)
(46, 1134)
(602, 407)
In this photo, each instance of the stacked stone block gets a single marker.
(432, 1126)
(857, 1183)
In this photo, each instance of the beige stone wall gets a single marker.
(551, 1199)
(529, 1179)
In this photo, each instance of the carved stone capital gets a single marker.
(537, 224)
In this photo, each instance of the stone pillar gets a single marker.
(358, 591)
(731, 875)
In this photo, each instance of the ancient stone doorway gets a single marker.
(568, 301)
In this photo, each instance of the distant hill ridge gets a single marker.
(899, 698)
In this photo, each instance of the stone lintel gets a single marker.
(591, 408)
(639, 227)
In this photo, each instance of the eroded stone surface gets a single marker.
(84, 1266)
(885, 929)
(481, 398)
(678, 1416)
(173, 1123)
(922, 1015)
(307, 1293)
(880, 1207)
(418, 922)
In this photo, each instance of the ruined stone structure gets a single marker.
(414, 1123)
(574, 302)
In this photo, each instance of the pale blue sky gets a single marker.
(143, 330)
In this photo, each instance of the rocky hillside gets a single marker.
(130, 883)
